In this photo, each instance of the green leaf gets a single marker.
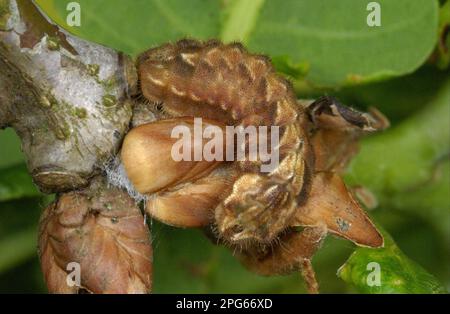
(339, 50)
(429, 201)
(405, 156)
(397, 273)
(334, 38)
(185, 261)
(15, 182)
(18, 230)
(135, 26)
(240, 19)
(16, 248)
(285, 65)
(10, 142)
(397, 98)
(443, 46)
(407, 166)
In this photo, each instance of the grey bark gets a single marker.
(66, 98)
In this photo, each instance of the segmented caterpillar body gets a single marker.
(227, 84)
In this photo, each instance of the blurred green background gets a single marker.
(323, 47)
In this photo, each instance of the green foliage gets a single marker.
(16, 183)
(443, 51)
(134, 26)
(398, 274)
(18, 231)
(19, 246)
(405, 157)
(317, 44)
(321, 34)
(20, 205)
(185, 261)
(329, 36)
(407, 166)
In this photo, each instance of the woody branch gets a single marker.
(68, 101)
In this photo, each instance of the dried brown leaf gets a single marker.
(330, 203)
(337, 130)
(102, 230)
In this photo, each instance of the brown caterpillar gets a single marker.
(226, 84)
(276, 220)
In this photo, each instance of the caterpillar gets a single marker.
(226, 85)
